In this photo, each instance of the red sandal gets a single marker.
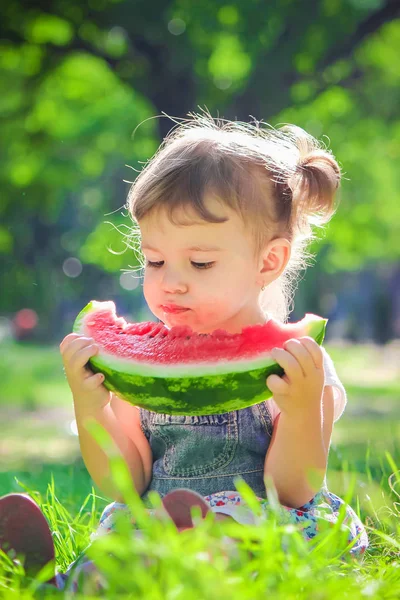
(178, 505)
(24, 532)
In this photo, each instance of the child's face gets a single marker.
(221, 294)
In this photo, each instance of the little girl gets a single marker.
(224, 212)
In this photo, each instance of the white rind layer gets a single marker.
(128, 366)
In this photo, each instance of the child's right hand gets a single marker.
(89, 393)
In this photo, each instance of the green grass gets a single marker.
(271, 560)
(32, 376)
(39, 454)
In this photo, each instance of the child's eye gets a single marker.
(157, 265)
(154, 264)
(205, 265)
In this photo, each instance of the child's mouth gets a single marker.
(174, 309)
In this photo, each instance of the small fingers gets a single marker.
(73, 344)
(277, 385)
(78, 353)
(288, 362)
(92, 382)
(67, 340)
(80, 359)
(301, 354)
(315, 351)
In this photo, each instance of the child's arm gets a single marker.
(298, 452)
(98, 462)
(129, 419)
(92, 402)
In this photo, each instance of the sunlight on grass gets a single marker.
(268, 560)
(32, 376)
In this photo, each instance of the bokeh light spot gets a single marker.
(176, 26)
(129, 281)
(26, 319)
(228, 15)
(72, 267)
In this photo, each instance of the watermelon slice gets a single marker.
(179, 372)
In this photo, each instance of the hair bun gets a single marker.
(315, 180)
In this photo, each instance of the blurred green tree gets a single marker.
(80, 77)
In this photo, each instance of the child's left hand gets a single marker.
(299, 391)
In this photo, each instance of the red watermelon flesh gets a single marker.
(155, 343)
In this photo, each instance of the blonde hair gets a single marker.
(281, 182)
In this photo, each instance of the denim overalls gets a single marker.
(207, 453)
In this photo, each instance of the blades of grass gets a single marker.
(393, 466)
(392, 485)
(34, 494)
(251, 499)
(46, 573)
(367, 462)
(384, 536)
(62, 522)
(394, 481)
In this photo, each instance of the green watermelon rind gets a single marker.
(207, 396)
(190, 393)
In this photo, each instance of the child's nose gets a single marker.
(173, 282)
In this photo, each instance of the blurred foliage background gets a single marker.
(82, 83)
(86, 88)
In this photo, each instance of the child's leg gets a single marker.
(24, 532)
(84, 576)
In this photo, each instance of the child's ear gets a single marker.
(274, 259)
